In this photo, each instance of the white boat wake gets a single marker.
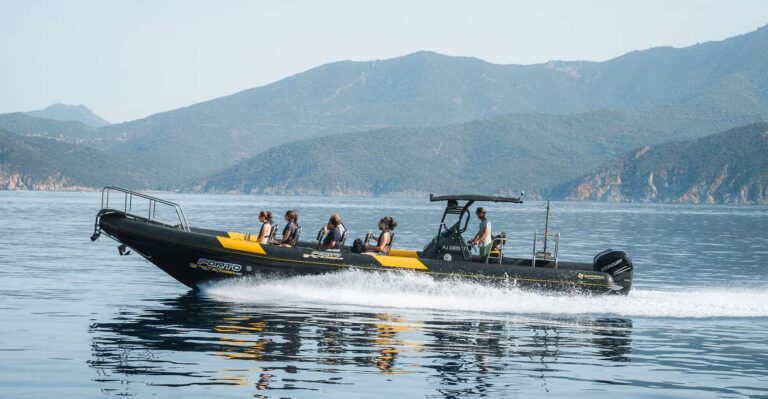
(402, 290)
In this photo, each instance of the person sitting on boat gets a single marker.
(483, 237)
(291, 228)
(327, 227)
(387, 226)
(334, 232)
(265, 217)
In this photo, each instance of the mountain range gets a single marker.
(504, 154)
(427, 117)
(726, 80)
(64, 112)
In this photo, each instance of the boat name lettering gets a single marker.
(324, 255)
(582, 276)
(452, 248)
(217, 266)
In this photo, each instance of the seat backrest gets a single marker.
(499, 240)
(320, 238)
(343, 238)
(273, 233)
(388, 247)
(497, 248)
(368, 237)
(296, 235)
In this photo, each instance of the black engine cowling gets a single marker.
(616, 263)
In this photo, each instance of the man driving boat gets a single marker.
(483, 237)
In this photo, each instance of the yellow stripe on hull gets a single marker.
(405, 253)
(400, 262)
(240, 245)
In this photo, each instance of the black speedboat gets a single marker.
(196, 255)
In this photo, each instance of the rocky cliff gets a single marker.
(39, 163)
(725, 168)
(16, 180)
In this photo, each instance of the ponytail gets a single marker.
(267, 215)
(292, 216)
(390, 222)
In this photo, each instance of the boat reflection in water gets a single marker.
(193, 342)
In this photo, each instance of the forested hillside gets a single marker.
(498, 155)
(37, 163)
(729, 167)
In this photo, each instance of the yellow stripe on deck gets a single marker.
(405, 253)
(236, 235)
(240, 245)
(400, 261)
(241, 236)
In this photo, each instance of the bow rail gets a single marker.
(112, 194)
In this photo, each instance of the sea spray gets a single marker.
(408, 290)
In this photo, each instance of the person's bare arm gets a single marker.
(381, 246)
(486, 233)
(286, 234)
(263, 232)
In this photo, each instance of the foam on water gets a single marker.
(415, 291)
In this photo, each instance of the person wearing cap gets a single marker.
(483, 237)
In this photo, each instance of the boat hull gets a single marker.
(199, 256)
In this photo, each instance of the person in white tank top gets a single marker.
(265, 217)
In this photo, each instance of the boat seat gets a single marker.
(272, 233)
(496, 254)
(255, 237)
(295, 239)
(388, 247)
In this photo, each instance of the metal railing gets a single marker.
(127, 197)
(545, 254)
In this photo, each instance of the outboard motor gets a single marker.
(618, 264)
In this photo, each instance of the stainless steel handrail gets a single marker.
(544, 254)
(152, 208)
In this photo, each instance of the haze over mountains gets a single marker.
(64, 112)
(427, 122)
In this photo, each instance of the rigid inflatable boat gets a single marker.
(196, 255)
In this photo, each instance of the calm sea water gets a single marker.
(77, 320)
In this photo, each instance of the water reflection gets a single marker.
(191, 340)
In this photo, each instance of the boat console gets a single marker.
(449, 244)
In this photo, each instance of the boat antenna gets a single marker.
(546, 228)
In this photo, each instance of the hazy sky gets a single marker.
(130, 59)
